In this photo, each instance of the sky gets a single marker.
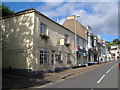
(101, 16)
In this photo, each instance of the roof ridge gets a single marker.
(20, 12)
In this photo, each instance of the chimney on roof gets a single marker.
(70, 17)
(99, 37)
(58, 20)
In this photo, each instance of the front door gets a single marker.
(53, 61)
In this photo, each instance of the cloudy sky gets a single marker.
(101, 16)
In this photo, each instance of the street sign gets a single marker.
(75, 48)
(61, 41)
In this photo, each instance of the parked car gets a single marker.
(119, 65)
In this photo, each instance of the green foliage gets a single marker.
(6, 11)
(67, 44)
(115, 41)
(0, 6)
(45, 37)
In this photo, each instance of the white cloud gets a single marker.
(49, 5)
(59, 0)
(105, 19)
(102, 17)
(61, 21)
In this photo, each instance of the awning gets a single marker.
(82, 52)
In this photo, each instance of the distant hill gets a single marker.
(114, 42)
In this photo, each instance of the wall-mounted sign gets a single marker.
(75, 48)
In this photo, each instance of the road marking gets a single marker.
(108, 71)
(101, 79)
(111, 67)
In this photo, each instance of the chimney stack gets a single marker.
(99, 37)
(70, 17)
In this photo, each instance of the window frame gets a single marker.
(68, 58)
(59, 57)
(44, 56)
(66, 40)
(42, 32)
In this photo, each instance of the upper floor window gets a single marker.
(66, 38)
(43, 28)
(77, 40)
(83, 44)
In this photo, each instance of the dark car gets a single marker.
(119, 65)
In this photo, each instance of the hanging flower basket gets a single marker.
(67, 44)
(69, 61)
(44, 37)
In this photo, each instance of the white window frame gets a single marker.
(44, 56)
(59, 57)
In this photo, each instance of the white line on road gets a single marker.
(111, 67)
(108, 71)
(101, 79)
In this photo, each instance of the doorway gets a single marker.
(53, 61)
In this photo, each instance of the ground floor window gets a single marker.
(58, 57)
(44, 56)
(68, 58)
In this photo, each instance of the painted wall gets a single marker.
(17, 51)
(23, 42)
(55, 32)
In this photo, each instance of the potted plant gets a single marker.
(44, 37)
(68, 61)
(67, 44)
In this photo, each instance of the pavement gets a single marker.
(96, 76)
(25, 82)
(62, 75)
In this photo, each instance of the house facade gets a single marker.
(102, 50)
(92, 46)
(81, 39)
(36, 43)
(115, 51)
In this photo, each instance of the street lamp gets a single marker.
(75, 16)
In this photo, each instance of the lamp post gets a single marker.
(75, 16)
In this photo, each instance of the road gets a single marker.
(105, 76)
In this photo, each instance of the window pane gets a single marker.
(43, 28)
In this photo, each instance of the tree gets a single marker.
(6, 11)
(116, 41)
